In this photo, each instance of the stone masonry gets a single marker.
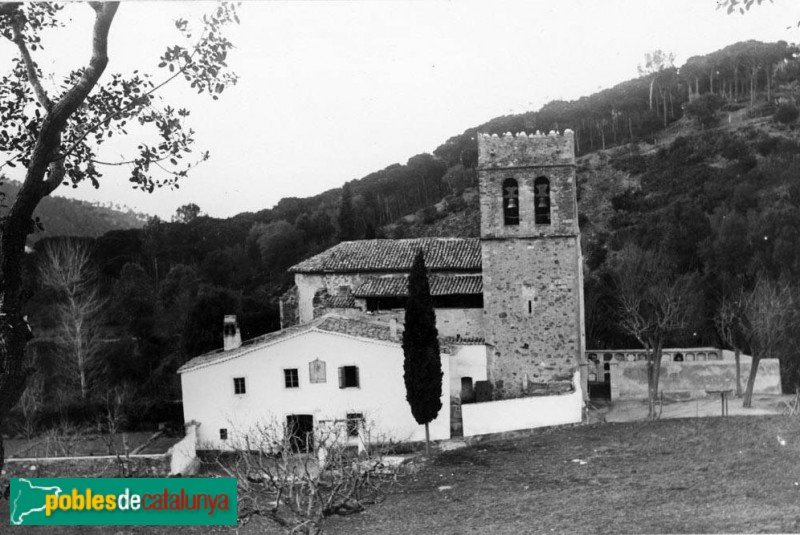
(531, 272)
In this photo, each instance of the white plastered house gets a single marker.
(333, 369)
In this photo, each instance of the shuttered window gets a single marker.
(348, 377)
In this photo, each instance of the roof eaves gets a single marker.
(226, 356)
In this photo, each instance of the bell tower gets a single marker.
(532, 266)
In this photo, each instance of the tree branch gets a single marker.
(70, 102)
(30, 66)
(16, 225)
(130, 106)
(55, 177)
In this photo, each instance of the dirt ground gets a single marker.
(43, 446)
(737, 474)
(633, 410)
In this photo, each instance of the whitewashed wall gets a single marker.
(691, 380)
(183, 455)
(208, 393)
(523, 413)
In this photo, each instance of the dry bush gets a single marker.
(296, 482)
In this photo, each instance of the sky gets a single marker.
(330, 91)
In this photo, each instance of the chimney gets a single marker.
(231, 337)
(393, 329)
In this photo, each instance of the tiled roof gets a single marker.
(395, 255)
(333, 323)
(247, 346)
(329, 323)
(440, 285)
(341, 301)
(362, 329)
(463, 340)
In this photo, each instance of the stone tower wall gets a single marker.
(531, 273)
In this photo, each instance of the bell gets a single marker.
(512, 202)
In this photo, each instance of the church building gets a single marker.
(509, 311)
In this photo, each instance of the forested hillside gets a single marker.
(697, 164)
(59, 216)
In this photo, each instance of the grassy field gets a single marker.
(735, 474)
(676, 476)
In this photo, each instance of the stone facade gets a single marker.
(532, 284)
(313, 296)
(290, 307)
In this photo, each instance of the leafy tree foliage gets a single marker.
(347, 219)
(786, 113)
(186, 213)
(204, 324)
(422, 366)
(704, 109)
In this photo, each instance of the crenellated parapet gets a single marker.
(521, 149)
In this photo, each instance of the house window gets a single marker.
(223, 434)
(316, 371)
(239, 385)
(541, 201)
(291, 378)
(348, 377)
(354, 422)
(510, 202)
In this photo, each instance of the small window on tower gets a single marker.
(541, 200)
(510, 202)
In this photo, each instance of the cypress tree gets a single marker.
(422, 365)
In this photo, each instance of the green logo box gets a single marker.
(123, 501)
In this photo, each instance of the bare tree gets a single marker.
(67, 271)
(29, 405)
(728, 322)
(767, 320)
(297, 484)
(653, 304)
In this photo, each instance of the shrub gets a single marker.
(786, 113)
(704, 109)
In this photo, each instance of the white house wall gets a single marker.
(208, 393)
